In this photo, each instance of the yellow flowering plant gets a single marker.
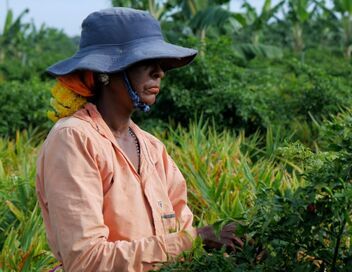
(65, 102)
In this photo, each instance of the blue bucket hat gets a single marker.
(116, 38)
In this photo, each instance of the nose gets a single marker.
(158, 71)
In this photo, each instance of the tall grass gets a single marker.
(23, 245)
(253, 180)
(224, 171)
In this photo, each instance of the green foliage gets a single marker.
(344, 8)
(293, 199)
(302, 220)
(254, 94)
(24, 105)
(215, 261)
(223, 171)
(249, 51)
(310, 228)
(336, 134)
(23, 245)
(26, 51)
(254, 23)
(307, 228)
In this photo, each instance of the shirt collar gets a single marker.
(90, 114)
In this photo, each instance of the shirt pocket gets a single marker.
(170, 222)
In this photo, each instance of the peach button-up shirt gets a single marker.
(99, 213)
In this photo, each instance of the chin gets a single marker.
(149, 101)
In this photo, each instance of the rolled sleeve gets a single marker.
(178, 242)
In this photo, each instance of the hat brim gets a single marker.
(115, 58)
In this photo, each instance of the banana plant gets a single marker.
(158, 9)
(299, 13)
(252, 25)
(204, 14)
(200, 15)
(256, 22)
(185, 16)
(26, 49)
(13, 34)
(344, 8)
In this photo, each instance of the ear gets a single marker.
(104, 79)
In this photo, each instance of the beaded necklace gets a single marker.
(138, 148)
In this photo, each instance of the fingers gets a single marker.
(231, 227)
(226, 238)
(238, 242)
(233, 238)
(229, 246)
(261, 256)
(228, 232)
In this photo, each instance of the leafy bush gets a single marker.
(310, 228)
(255, 94)
(24, 105)
(302, 219)
(307, 229)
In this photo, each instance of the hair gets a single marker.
(97, 89)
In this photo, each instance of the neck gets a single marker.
(117, 118)
(115, 106)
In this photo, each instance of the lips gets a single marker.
(153, 90)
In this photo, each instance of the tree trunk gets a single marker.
(297, 35)
(202, 35)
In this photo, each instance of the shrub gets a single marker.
(24, 105)
(310, 228)
(255, 94)
(302, 219)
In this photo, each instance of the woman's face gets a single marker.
(145, 79)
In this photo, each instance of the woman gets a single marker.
(112, 199)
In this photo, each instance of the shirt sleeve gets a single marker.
(74, 194)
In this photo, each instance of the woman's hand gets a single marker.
(226, 238)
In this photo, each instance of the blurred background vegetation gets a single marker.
(260, 125)
(284, 65)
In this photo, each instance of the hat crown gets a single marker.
(118, 26)
(116, 38)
